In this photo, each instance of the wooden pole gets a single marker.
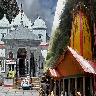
(55, 88)
(63, 86)
(91, 88)
(59, 88)
(83, 86)
(75, 85)
(69, 87)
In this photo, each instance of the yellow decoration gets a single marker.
(80, 24)
(11, 74)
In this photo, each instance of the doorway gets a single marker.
(21, 56)
(21, 66)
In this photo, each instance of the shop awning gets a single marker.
(88, 66)
(73, 64)
(54, 73)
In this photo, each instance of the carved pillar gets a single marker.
(26, 66)
(28, 57)
(17, 68)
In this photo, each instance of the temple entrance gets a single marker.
(21, 55)
(32, 66)
(21, 66)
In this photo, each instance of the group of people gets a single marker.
(45, 86)
(48, 90)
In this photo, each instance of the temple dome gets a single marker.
(26, 21)
(39, 23)
(4, 22)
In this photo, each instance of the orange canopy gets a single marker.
(54, 73)
(71, 63)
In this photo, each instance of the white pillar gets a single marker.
(25, 66)
(83, 86)
(17, 67)
(28, 56)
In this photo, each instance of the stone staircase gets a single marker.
(36, 83)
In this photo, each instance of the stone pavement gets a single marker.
(7, 91)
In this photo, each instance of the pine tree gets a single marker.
(61, 38)
(10, 8)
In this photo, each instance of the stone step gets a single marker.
(34, 88)
(35, 83)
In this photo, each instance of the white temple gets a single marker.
(4, 27)
(39, 28)
(22, 18)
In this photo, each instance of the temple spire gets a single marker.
(21, 14)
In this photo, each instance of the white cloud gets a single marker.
(59, 9)
(44, 8)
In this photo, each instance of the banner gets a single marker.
(10, 62)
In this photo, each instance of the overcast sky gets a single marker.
(42, 8)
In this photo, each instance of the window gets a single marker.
(40, 35)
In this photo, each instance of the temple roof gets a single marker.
(72, 64)
(4, 22)
(21, 33)
(85, 64)
(39, 23)
(25, 19)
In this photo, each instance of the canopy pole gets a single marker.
(83, 85)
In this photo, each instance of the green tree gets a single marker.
(10, 8)
(61, 38)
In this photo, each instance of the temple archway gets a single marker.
(21, 56)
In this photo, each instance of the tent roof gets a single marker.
(71, 64)
(85, 64)
(54, 72)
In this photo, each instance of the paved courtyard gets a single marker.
(7, 91)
